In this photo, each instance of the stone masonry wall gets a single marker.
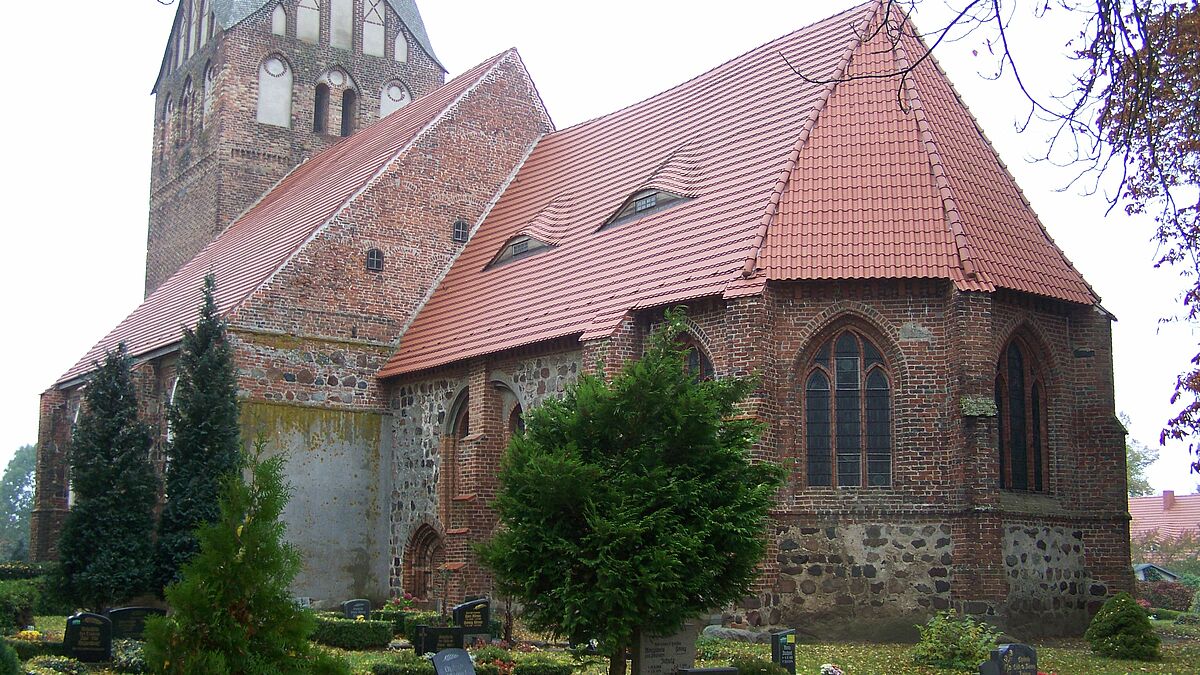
(1050, 586)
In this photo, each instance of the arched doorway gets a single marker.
(422, 557)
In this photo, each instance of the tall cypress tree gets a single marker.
(205, 444)
(106, 548)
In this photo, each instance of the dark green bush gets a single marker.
(395, 616)
(1164, 614)
(352, 634)
(487, 669)
(750, 665)
(542, 664)
(950, 642)
(492, 653)
(1121, 630)
(127, 656)
(9, 663)
(52, 665)
(1195, 608)
(1188, 619)
(404, 663)
(17, 598)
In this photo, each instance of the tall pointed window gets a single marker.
(847, 414)
(341, 24)
(279, 20)
(321, 109)
(205, 22)
(401, 49)
(1021, 412)
(349, 111)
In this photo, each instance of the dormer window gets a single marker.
(643, 203)
(518, 247)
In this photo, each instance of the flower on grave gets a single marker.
(29, 635)
(831, 669)
(360, 617)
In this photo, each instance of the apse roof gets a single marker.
(249, 252)
(788, 178)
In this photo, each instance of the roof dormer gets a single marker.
(520, 246)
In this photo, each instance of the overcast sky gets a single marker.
(78, 160)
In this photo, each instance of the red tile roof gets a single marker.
(258, 243)
(1170, 515)
(791, 179)
(721, 137)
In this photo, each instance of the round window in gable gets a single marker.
(375, 260)
(461, 230)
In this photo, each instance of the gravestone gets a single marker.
(783, 649)
(453, 662)
(727, 670)
(89, 637)
(434, 639)
(130, 622)
(474, 617)
(352, 609)
(304, 602)
(656, 655)
(1015, 659)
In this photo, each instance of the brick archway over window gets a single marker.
(422, 556)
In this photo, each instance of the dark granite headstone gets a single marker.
(433, 639)
(130, 622)
(352, 609)
(783, 649)
(1015, 659)
(89, 637)
(453, 662)
(474, 616)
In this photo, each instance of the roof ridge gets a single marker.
(962, 244)
(369, 181)
(789, 165)
(719, 66)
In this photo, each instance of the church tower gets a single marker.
(248, 89)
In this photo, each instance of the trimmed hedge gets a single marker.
(49, 665)
(750, 665)
(9, 663)
(27, 649)
(414, 619)
(24, 570)
(542, 664)
(352, 634)
(1166, 594)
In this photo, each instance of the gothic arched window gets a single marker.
(275, 92)
(321, 109)
(401, 51)
(308, 21)
(696, 360)
(373, 27)
(1021, 413)
(279, 20)
(349, 111)
(848, 414)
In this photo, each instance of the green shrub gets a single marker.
(127, 656)
(414, 619)
(492, 653)
(27, 649)
(404, 663)
(1166, 594)
(1164, 614)
(542, 664)
(752, 665)
(950, 642)
(487, 669)
(1188, 619)
(1122, 630)
(24, 570)
(351, 633)
(1195, 608)
(395, 616)
(708, 648)
(51, 665)
(9, 663)
(17, 598)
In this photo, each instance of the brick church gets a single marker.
(407, 262)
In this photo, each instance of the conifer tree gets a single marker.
(632, 505)
(105, 549)
(205, 437)
(231, 609)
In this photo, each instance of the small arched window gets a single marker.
(401, 50)
(321, 109)
(697, 361)
(279, 20)
(847, 414)
(375, 260)
(167, 111)
(275, 92)
(210, 81)
(461, 230)
(1021, 415)
(349, 111)
(185, 113)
